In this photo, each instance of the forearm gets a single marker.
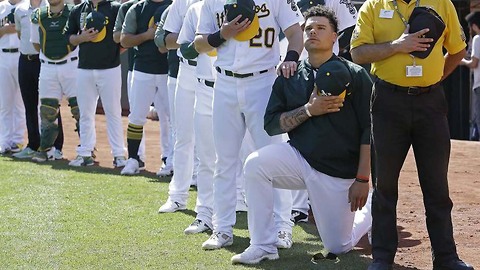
(36, 46)
(131, 40)
(116, 36)
(171, 41)
(292, 119)
(294, 35)
(451, 62)
(364, 162)
(75, 40)
(369, 53)
(202, 45)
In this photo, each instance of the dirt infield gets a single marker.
(414, 247)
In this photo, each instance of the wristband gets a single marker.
(291, 56)
(307, 111)
(215, 39)
(363, 181)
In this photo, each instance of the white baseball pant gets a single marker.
(141, 148)
(185, 138)
(12, 110)
(171, 85)
(239, 104)
(300, 201)
(205, 151)
(56, 81)
(106, 84)
(282, 166)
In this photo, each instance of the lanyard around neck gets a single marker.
(395, 5)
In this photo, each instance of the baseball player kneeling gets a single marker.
(324, 108)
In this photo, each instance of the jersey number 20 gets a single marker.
(268, 36)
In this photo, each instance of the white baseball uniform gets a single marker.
(239, 103)
(183, 110)
(12, 110)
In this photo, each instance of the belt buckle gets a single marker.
(413, 91)
(30, 57)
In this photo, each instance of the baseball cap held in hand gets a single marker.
(333, 78)
(426, 17)
(97, 21)
(246, 8)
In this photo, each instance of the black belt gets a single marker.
(239, 75)
(30, 57)
(206, 82)
(187, 61)
(13, 50)
(409, 90)
(59, 63)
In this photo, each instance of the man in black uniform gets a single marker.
(149, 81)
(328, 121)
(99, 74)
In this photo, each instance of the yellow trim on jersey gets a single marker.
(44, 38)
(372, 29)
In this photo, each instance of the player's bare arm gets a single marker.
(116, 36)
(201, 44)
(86, 35)
(128, 40)
(171, 41)
(406, 43)
(317, 105)
(36, 46)
(358, 192)
(470, 63)
(7, 29)
(294, 36)
(452, 61)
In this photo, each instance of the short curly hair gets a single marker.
(322, 11)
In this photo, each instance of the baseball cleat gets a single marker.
(81, 161)
(165, 171)
(197, 226)
(40, 156)
(217, 240)
(254, 255)
(284, 240)
(119, 162)
(170, 207)
(132, 167)
(54, 154)
(16, 147)
(298, 217)
(25, 153)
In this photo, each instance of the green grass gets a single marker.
(53, 216)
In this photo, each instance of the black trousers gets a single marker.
(28, 73)
(400, 120)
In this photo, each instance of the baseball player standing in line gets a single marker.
(242, 89)
(117, 30)
(202, 120)
(149, 79)
(173, 62)
(57, 73)
(347, 17)
(99, 74)
(28, 72)
(184, 110)
(12, 111)
(329, 148)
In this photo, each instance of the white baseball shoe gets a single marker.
(284, 240)
(25, 153)
(197, 226)
(217, 240)
(132, 167)
(254, 255)
(119, 162)
(54, 154)
(165, 171)
(171, 206)
(81, 161)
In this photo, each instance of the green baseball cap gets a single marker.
(333, 78)
(97, 21)
(247, 9)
